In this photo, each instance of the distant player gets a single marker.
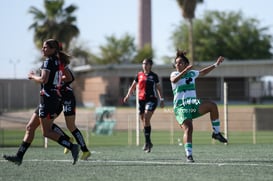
(186, 105)
(148, 92)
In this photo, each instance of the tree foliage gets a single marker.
(56, 22)
(143, 53)
(225, 33)
(188, 12)
(120, 51)
(188, 8)
(81, 54)
(116, 50)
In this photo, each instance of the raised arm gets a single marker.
(208, 69)
(176, 78)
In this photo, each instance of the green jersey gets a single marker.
(184, 96)
(184, 89)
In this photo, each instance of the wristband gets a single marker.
(161, 99)
(215, 65)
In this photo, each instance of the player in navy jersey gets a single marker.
(68, 104)
(50, 96)
(49, 99)
(69, 109)
(149, 91)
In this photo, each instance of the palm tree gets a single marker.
(188, 10)
(56, 22)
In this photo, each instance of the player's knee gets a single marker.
(187, 126)
(213, 105)
(188, 129)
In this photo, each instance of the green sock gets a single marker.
(216, 126)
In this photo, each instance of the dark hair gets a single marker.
(52, 43)
(182, 54)
(64, 57)
(149, 60)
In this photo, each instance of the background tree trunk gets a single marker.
(191, 42)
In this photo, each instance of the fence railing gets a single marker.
(246, 124)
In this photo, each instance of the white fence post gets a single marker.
(226, 109)
(137, 118)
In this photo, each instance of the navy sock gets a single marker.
(57, 129)
(80, 140)
(147, 134)
(65, 142)
(22, 149)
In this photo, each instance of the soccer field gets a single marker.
(165, 162)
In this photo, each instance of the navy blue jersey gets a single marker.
(65, 85)
(51, 64)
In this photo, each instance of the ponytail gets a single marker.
(182, 54)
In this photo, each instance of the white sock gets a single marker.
(188, 148)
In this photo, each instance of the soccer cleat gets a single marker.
(219, 136)
(147, 147)
(75, 153)
(190, 159)
(67, 150)
(85, 155)
(15, 159)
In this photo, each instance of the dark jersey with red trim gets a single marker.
(51, 64)
(67, 84)
(146, 85)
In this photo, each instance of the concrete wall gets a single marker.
(238, 74)
(18, 94)
(105, 85)
(263, 118)
(96, 91)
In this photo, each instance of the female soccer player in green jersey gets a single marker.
(186, 105)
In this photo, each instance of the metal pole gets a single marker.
(254, 128)
(87, 129)
(9, 96)
(45, 142)
(14, 67)
(137, 118)
(129, 130)
(171, 130)
(226, 109)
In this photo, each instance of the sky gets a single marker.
(98, 19)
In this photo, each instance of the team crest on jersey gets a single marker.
(150, 77)
(191, 74)
(45, 63)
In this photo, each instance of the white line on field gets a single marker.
(151, 162)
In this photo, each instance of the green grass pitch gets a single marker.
(165, 162)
